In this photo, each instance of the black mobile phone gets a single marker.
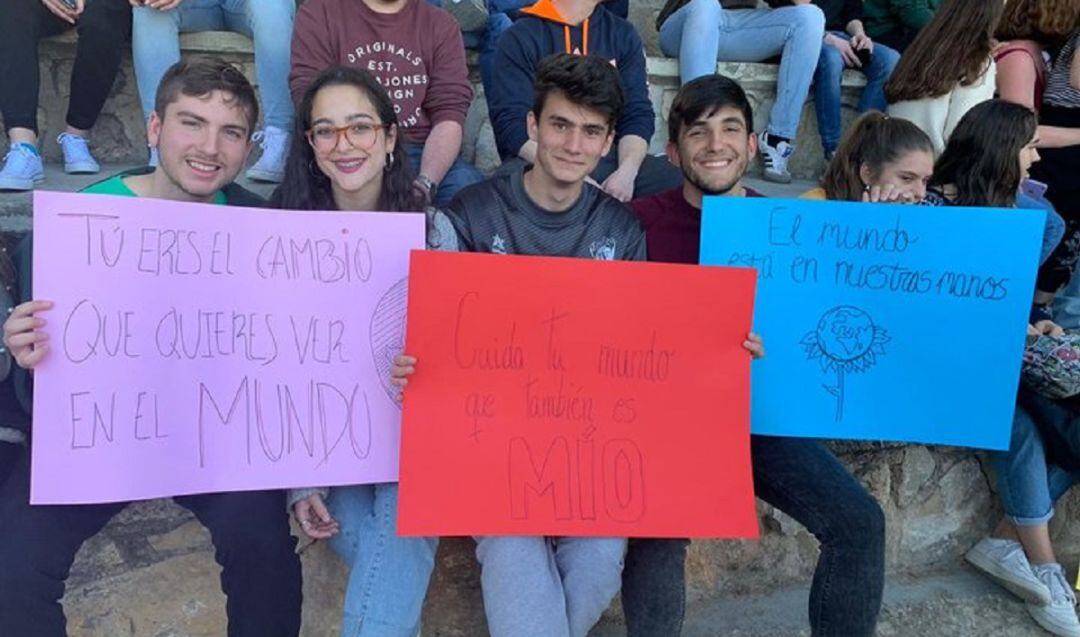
(864, 55)
(70, 3)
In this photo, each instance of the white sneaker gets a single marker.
(1004, 562)
(1059, 616)
(275, 147)
(775, 159)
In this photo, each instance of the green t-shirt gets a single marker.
(115, 186)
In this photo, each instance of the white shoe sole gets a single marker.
(20, 184)
(81, 169)
(1023, 589)
(777, 178)
(1052, 627)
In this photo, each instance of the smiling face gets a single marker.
(714, 150)
(348, 139)
(202, 142)
(909, 174)
(570, 139)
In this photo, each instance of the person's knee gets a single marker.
(830, 65)
(863, 524)
(510, 551)
(704, 10)
(271, 18)
(809, 19)
(107, 23)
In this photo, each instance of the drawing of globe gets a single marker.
(845, 333)
(388, 332)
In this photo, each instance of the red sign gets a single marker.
(557, 396)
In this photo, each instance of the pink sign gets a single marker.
(200, 348)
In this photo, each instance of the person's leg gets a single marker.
(882, 63)
(591, 570)
(794, 33)
(260, 571)
(461, 174)
(264, 22)
(388, 574)
(804, 480)
(38, 548)
(654, 587)
(9, 455)
(692, 34)
(827, 79)
(22, 24)
(522, 588)
(103, 32)
(1023, 483)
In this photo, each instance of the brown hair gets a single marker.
(982, 158)
(875, 140)
(198, 77)
(953, 48)
(1047, 22)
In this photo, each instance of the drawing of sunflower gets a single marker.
(845, 341)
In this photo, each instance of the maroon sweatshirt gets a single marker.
(416, 54)
(672, 226)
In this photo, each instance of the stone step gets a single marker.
(958, 603)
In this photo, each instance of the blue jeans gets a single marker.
(701, 32)
(388, 574)
(804, 480)
(461, 174)
(547, 587)
(1028, 481)
(156, 46)
(827, 78)
(485, 42)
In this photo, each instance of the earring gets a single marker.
(389, 161)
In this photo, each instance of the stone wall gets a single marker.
(151, 572)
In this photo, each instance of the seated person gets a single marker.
(579, 27)
(250, 530)
(895, 23)
(156, 46)
(847, 46)
(102, 26)
(416, 52)
(700, 32)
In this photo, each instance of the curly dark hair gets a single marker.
(982, 157)
(305, 187)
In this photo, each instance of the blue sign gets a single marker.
(883, 322)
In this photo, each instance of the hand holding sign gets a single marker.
(23, 335)
(554, 396)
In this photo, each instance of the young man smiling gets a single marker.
(711, 140)
(202, 128)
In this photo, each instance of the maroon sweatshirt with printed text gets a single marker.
(416, 54)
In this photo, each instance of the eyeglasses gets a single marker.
(361, 135)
